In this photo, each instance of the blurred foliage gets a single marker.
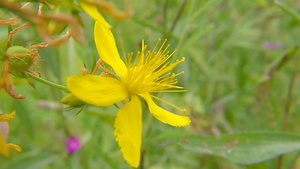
(234, 84)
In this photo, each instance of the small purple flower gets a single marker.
(272, 45)
(73, 144)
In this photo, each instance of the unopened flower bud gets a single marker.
(20, 59)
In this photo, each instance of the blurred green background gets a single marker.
(237, 76)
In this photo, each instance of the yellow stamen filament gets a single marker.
(183, 110)
(150, 72)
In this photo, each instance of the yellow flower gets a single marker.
(148, 73)
(4, 146)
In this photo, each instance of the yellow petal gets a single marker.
(7, 117)
(128, 131)
(106, 46)
(97, 90)
(3, 148)
(93, 12)
(14, 147)
(163, 115)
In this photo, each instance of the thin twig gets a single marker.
(289, 98)
(49, 83)
(142, 159)
(165, 14)
(287, 108)
(279, 164)
(178, 16)
(139, 21)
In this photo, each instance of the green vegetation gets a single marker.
(241, 73)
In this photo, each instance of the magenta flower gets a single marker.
(73, 144)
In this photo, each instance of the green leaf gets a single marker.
(32, 160)
(84, 106)
(9, 29)
(36, 41)
(29, 80)
(2, 55)
(94, 62)
(288, 9)
(244, 148)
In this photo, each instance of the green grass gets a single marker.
(225, 63)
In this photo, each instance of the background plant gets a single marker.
(236, 81)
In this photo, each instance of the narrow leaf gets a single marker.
(288, 9)
(94, 62)
(244, 148)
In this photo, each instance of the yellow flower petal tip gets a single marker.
(7, 117)
(4, 148)
(92, 11)
(106, 46)
(128, 130)
(163, 115)
(14, 147)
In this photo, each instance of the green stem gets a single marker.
(287, 108)
(141, 22)
(46, 82)
(178, 16)
(165, 14)
(184, 32)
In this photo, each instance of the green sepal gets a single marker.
(72, 101)
(83, 107)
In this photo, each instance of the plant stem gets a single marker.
(184, 33)
(70, 55)
(46, 82)
(178, 16)
(287, 108)
(165, 14)
(141, 22)
(289, 99)
(279, 164)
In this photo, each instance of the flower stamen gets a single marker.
(182, 110)
(149, 72)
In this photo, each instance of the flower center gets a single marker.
(150, 72)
